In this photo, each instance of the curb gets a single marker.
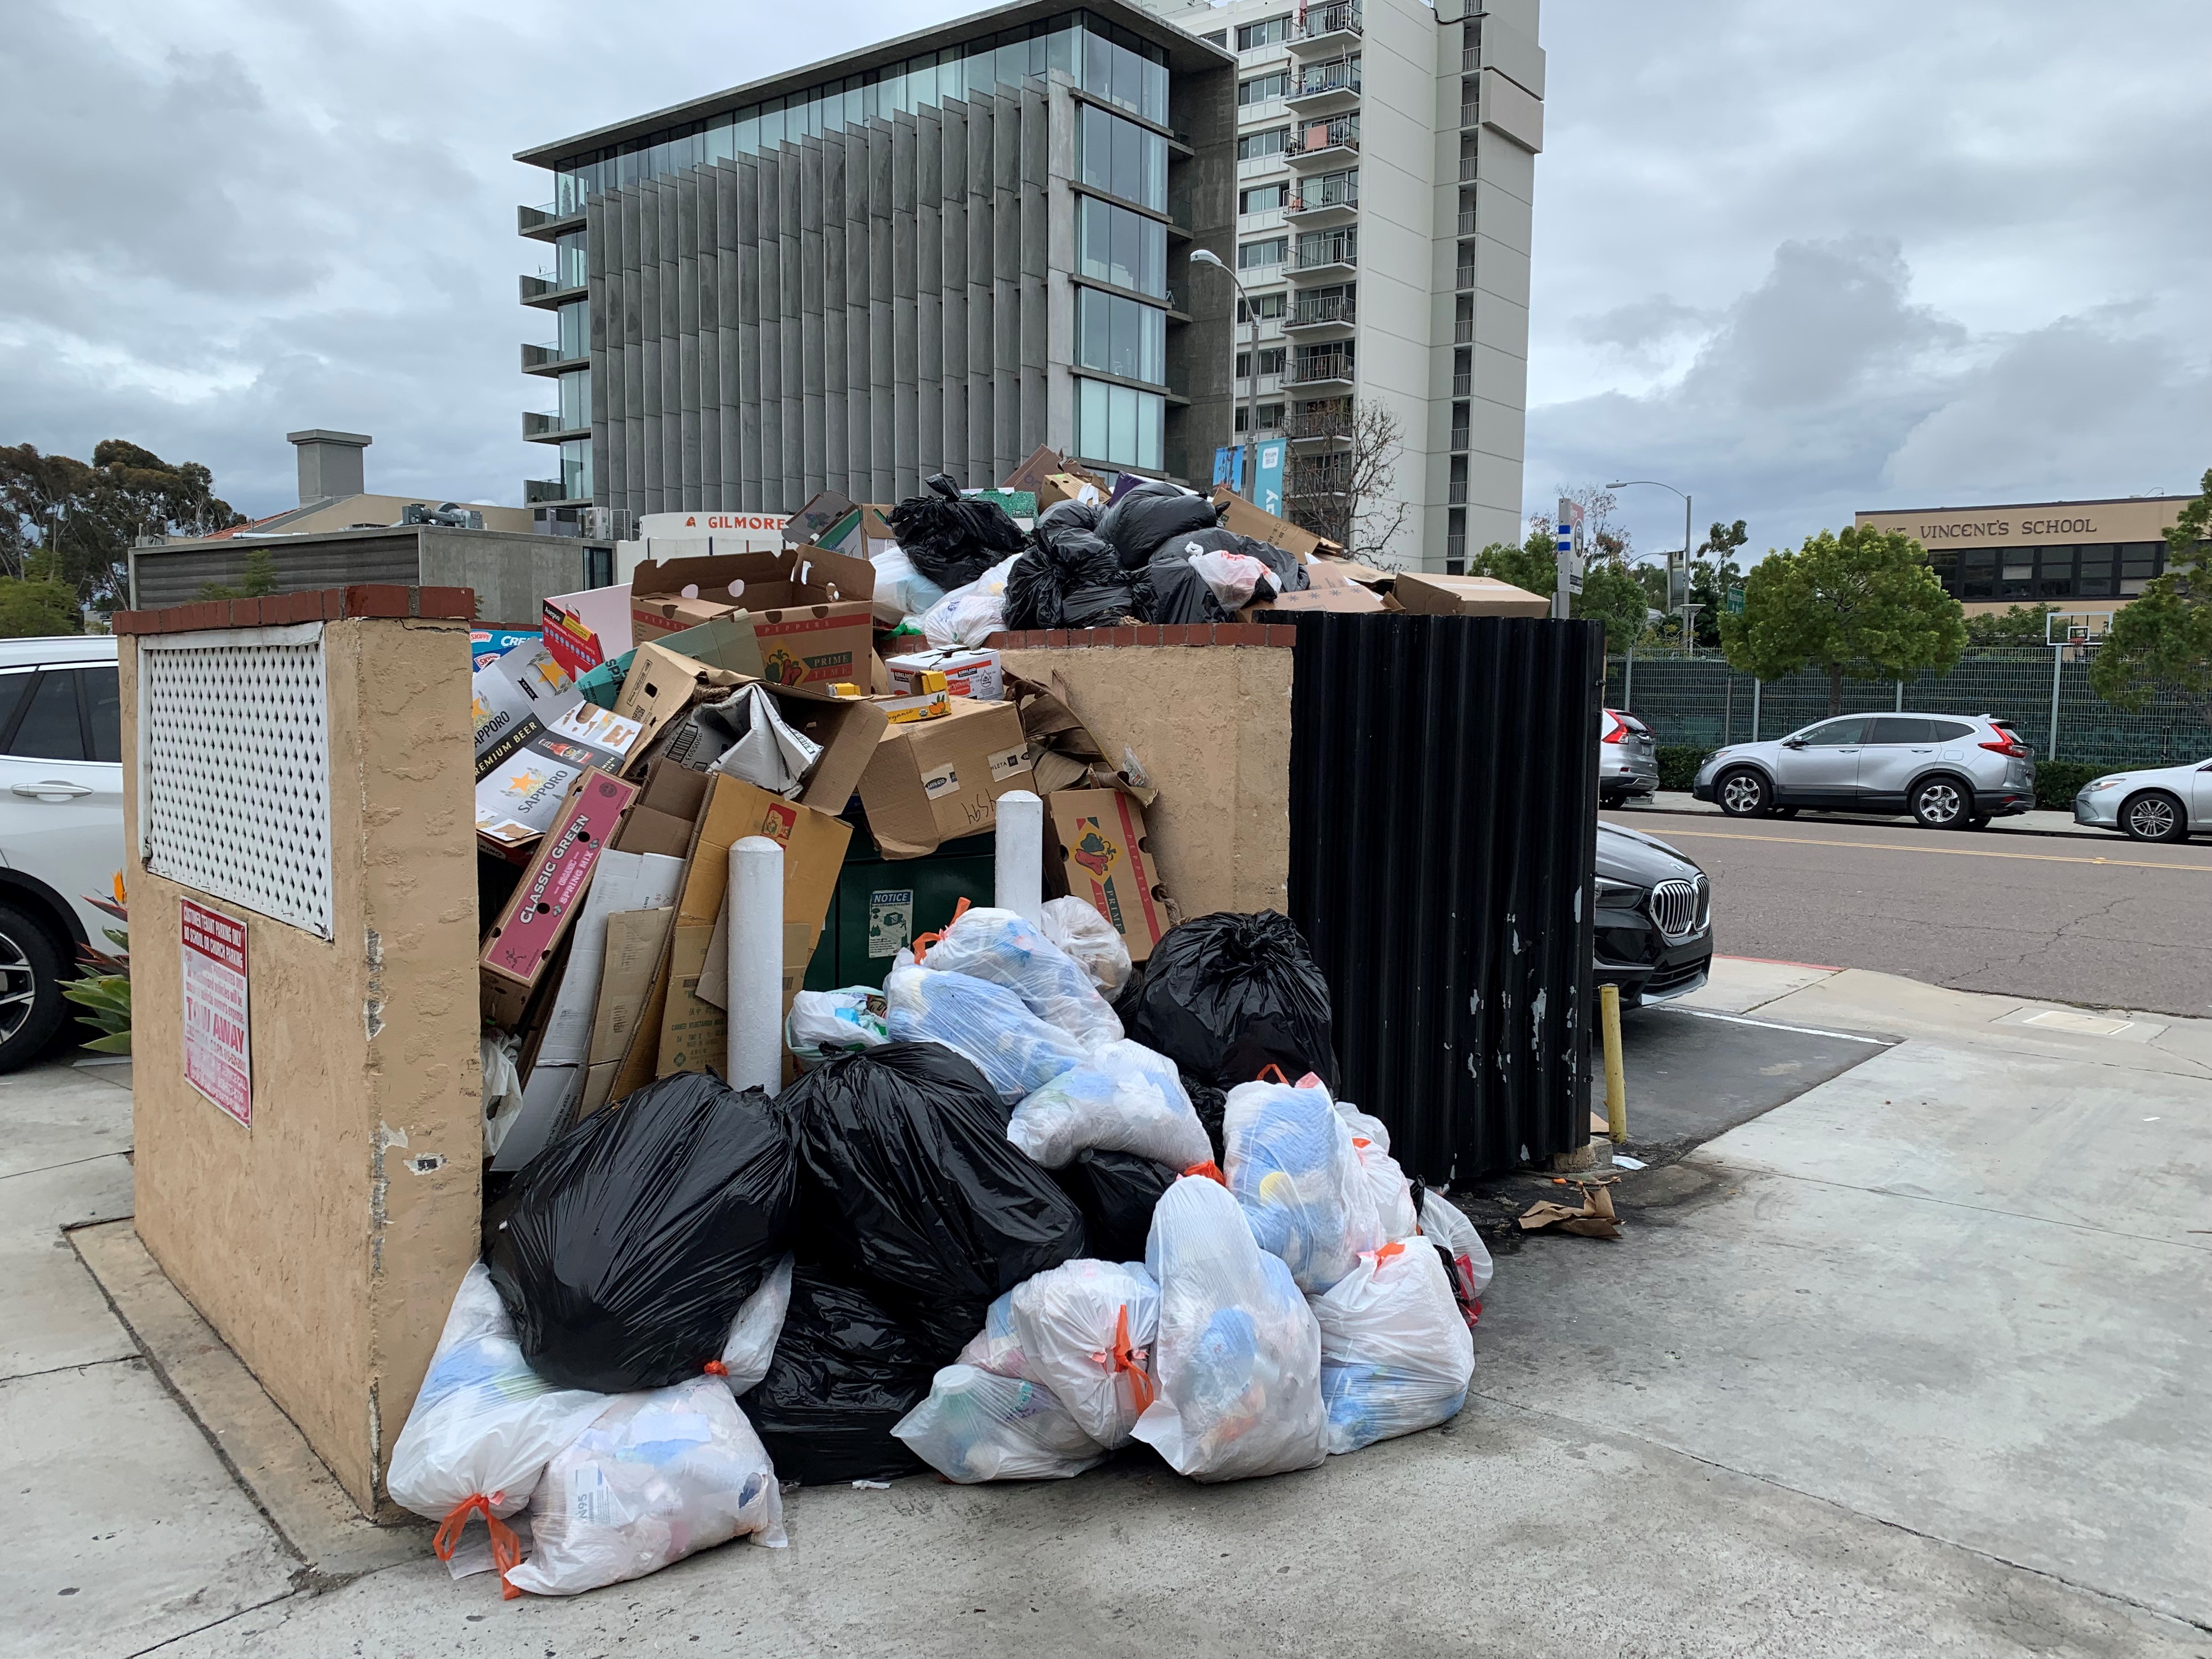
(1884, 824)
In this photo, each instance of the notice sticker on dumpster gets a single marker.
(890, 920)
(218, 1055)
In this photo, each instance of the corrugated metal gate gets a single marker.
(1444, 826)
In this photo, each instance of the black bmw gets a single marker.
(1654, 916)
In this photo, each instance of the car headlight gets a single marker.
(1626, 894)
(2103, 784)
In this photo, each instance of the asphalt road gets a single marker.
(2116, 924)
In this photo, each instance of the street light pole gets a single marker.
(1208, 256)
(1689, 512)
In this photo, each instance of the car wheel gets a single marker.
(1942, 804)
(1742, 793)
(32, 968)
(2154, 816)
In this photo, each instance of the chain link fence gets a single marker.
(1694, 698)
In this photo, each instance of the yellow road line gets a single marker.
(1905, 847)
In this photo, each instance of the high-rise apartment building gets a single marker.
(1385, 169)
(931, 254)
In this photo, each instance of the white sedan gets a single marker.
(2162, 804)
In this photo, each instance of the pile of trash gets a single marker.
(986, 1232)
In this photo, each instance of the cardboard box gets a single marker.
(665, 812)
(512, 697)
(487, 645)
(828, 519)
(1466, 596)
(968, 672)
(543, 905)
(847, 730)
(662, 685)
(810, 609)
(1246, 520)
(937, 780)
(728, 641)
(635, 941)
(1102, 848)
(694, 1032)
(929, 703)
(519, 799)
(1329, 589)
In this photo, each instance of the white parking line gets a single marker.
(1775, 1026)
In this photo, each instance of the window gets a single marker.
(1456, 542)
(568, 259)
(1261, 198)
(575, 400)
(1464, 318)
(1271, 417)
(14, 683)
(1272, 32)
(1466, 164)
(103, 696)
(1267, 306)
(1903, 728)
(1120, 337)
(1455, 484)
(1464, 276)
(1948, 731)
(1271, 362)
(1119, 424)
(576, 469)
(1328, 247)
(1254, 146)
(1253, 256)
(1262, 87)
(1117, 65)
(1124, 248)
(575, 319)
(1460, 416)
(1331, 190)
(1122, 159)
(50, 728)
(1216, 37)
(1836, 734)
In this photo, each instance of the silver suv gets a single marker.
(1949, 771)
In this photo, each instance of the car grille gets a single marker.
(1679, 907)
(1669, 978)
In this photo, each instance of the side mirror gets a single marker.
(1793, 743)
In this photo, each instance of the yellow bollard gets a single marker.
(1616, 1082)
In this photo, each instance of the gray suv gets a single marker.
(1949, 771)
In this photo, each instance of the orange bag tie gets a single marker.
(505, 1548)
(922, 943)
(1131, 1361)
(715, 1368)
(1261, 1076)
(1395, 1247)
(1210, 1170)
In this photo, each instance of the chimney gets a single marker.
(329, 464)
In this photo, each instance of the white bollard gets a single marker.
(1019, 878)
(755, 1058)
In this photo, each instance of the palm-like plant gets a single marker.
(105, 991)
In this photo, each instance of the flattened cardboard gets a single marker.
(936, 781)
(1330, 589)
(666, 811)
(728, 641)
(635, 941)
(546, 901)
(513, 697)
(1424, 594)
(1102, 850)
(519, 800)
(661, 684)
(1246, 520)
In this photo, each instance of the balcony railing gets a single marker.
(1455, 493)
(1467, 169)
(1327, 308)
(1462, 385)
(1321, 368)
(548, 427)
(1325, 193)
(1470, 115)
(1463, 331)
(1470, 59)
(535, 490)
(1315, 80)
(1341, 18)
(1323, 135)
(1310, 423)
(1458, 439)
(1315, 252)
(1467, 222)
(1464, 276)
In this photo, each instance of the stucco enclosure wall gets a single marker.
(324, 1243)
(1210, 727)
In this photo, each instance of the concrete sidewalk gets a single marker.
(1911, 1364)
(2036, 822)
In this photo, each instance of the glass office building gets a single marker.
(931, 255)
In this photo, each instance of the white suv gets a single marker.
(1949, 771)
(61, 825)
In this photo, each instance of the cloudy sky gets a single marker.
(1796, 259)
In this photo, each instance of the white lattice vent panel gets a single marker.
(235, 785)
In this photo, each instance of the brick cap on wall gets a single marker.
(1281, 633)
(381, 599)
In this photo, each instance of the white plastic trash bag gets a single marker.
(1075, 925)
(976, 1425)
(1445, 1225)
(1291, 1163)
(502, 1086)
(997, 1347)
(1085, 1330)
(657, 1475)
(1018, 1053)
(825, 1023)
(483, 1425)
(1004, 948)
(1125, 1098)
(751, 1345)
(900, 590)
(1395, 1356)
(1235, 578)
(1238, 1363)
(969, 615)
(1394, 1193)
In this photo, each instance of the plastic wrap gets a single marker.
(1006, 949)
(1227, 995)
(1116, 1193)
(751, 1343)
(1395, 1356)
(1086, 1330)
(631, 1243)
(977, 1425)
(1075, 925)
(1237, 1362)
(655, 1477)
(1148, 514)
(1125, 1098)
(483, 1425)
(1293, 1168)
(844, 1022)
(937, 1213)
(844, 1372)
(987, 1025)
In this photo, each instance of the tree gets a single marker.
(33, 610)
(1611, 593)
(2021, 624)
(81, 521)
(2163, 641)
(258, 580)
(1345, 491)
(1711, 574)
(1861, 603)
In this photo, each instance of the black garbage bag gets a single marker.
(1228, 995)
(1115, 1192)
(1290, 575)
(934, 1210)
(627, 1245)
(1212, 1105)
(954, 538)
(1151, 513)
(1069, 578)
(1071, 515)
(1170, 589)
(844, 1372)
